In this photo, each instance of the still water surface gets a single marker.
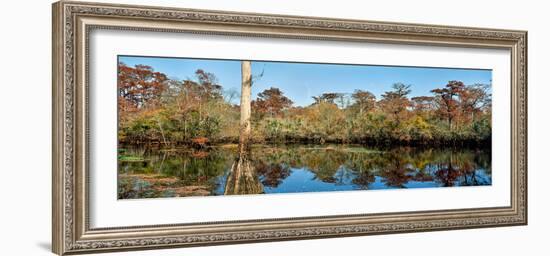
(145, 172)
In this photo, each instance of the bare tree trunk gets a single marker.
(245, 106)
(243, 179)
(161, 131)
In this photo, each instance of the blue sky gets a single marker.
(301, 81)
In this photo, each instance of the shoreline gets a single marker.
(229, 145)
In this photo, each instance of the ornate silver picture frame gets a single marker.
(74, 21)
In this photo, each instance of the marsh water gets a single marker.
(149, 172)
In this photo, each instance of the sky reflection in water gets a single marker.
(150, 173)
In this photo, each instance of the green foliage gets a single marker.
(127, 158)
(180, 111)
(183, 111)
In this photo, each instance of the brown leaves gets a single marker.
(271, 102)
(139, 86)
(458, 103)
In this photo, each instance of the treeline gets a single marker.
(156, 109)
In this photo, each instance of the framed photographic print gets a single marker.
(179, 127)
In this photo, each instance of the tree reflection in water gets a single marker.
(304, 168)
(272, 175)
(242, 178)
